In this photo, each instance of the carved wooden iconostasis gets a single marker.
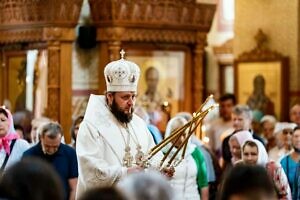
(160, 30)
(48, 26)
(148, 28)
(261, 79)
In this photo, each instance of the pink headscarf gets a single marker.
(10, 135)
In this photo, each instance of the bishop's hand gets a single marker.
(135, 169)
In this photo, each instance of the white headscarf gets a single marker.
(173, 124)
(263, 157)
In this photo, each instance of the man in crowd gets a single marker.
(221, 125)
(241, 118)
(60, 156)
(112, 140)
(295, 114)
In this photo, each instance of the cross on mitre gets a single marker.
(122, 52)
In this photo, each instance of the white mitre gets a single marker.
(121, 75)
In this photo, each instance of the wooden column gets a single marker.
(66, 89)
(53, 102)
(197, 77)
(114, 48)
(103, 60)
(59, 105)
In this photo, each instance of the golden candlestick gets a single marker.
(186, 130)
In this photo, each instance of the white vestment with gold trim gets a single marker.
(100, 145)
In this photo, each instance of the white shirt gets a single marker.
(184, 181)
(16, 153)
(218, 129)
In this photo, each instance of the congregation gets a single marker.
(107, 158)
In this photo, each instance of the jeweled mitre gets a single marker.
(121, 75)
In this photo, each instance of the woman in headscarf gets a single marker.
(235, 143)
(291, 164)
(190, 177)
(11, 147)
(254, 153)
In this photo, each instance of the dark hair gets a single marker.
(51, 130)
(228, 96)
(248, 181)
(249, 143)
(105, 193)
(19, 127)
(296, 128)
(4, 112)
(78, 120)
(31, 179)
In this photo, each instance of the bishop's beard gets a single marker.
(120, 114)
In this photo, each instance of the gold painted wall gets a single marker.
(279, 19)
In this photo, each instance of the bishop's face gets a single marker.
(121, 105)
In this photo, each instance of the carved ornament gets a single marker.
(147, 35)
(20, 35)
(180, 14)
(36, 13)
(261, 52)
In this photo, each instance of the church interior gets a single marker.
(229, 67)
(53, 52)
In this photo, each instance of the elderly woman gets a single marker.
(283, 134)
(291, 164)
(190, 178)
(268, 126)
(11, 147)
(254, 153)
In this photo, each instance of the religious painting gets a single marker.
(161, 80)
(14, 80)
(261, 85)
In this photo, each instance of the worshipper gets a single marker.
(283, 138)
(254, 153)
(105, 193)
(190, 177)
(112, 140)
(267, 124)
(142, 113)
(37, 124)
(62, 157)
(23, 118)
(295, 114)
(11, 146)
(247, 182)
(217, 127)
(74, 130)
(242, 118)
(235, 142)
(146, 186)
(255, 124)
(19, 130)
(31, 179)
(291, 165)
(213, 168)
